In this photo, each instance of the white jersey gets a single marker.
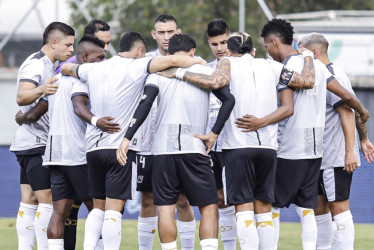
(333, 138)
(214, 107)
(36, 69)
(116, 86)
(66, 143)
(182, 112)
(301, 135)
(254, 83)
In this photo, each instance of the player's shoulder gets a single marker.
(152, 53)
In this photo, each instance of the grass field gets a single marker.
(289, 238)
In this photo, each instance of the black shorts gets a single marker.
(107, 178)
(297, 183)
(67, 182)
(190, 172)
(144, 166)
(335, 184)
(248, 175)
(217, 166)
(33, 173)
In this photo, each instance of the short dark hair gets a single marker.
(165, 18)
(280, 28)
(93, 40)
(95, 26)
(217, 27)
(240, 43)
(181, 42)
(129, 39)
(62, 27)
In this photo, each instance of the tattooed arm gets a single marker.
(70, 69)
(305, 80)
(366, 146)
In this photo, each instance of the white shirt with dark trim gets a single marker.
(182, 112)
(254, 83)
(36, 69)
(116, 86)
(333, 137)
(301, 135)
(66, 143)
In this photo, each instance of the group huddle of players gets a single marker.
(239, 137)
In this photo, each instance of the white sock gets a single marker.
(308, 226)
(186, 232)
(25, 225)
(146, 232)
(344, 235)
(92, 228)
(276, 216)
(169, 246)
(265, 230)
(112, 230)
(42, 217)
(99, 245)
(227, 226)
(247, 233)
(324, 231)
(55, 244)
(209, 244)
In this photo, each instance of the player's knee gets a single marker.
(147, 200)
(44, 196)
(183, 203)
(221, 200)
(338, 207)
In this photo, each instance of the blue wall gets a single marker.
(362, 193)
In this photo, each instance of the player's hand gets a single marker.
(201, 60)
(49, 88)
(350, 162)
(122, 152)
(364, 116)
(250, 123)
(105, 124)
(368, 150)
(169, 73)
(18, 117)
(208, 140)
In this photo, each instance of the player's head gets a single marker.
(164, 28)
(277, 33)
(101, 30)
(90, 49)
(218, 32)
(59, 39)
(182, 44)
(133, 43)
(239, 43)
(316, 43)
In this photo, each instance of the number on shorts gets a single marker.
(142, 161)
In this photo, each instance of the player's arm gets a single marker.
(218, 79)
(70, 69)
(33, 114)
(350, 99)
(252, 123)
(348, 124)
(80, 105)
(305, 80)
(165, 62)
(149, 95)
(28, 93)
(366, 146)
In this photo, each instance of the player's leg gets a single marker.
(208, 227)
(227, 222)
(343, 233)
(70, 230)
(147, 220)
(186, 223)
(323, 216)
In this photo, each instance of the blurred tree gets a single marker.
(193, 16)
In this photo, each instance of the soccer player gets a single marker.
(115, 88)
(249, 158)
(67, 164)
(178, 157)
(99, 29)
(338, 162)
(218, 32)
(165, 26)
(301, 136)
(30, 140)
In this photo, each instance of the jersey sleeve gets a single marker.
(152, 80)
(33, 73)
(142, 65)
(282, 75)
(79, 88)
(327, 75)
(83, 71)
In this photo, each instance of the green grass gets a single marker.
(290, 237)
